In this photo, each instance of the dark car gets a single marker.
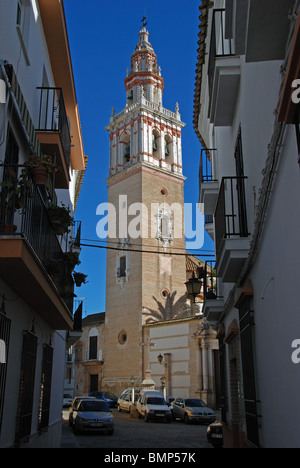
(215, 434)
(109, 397)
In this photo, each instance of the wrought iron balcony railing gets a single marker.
(53, 117)
(23, 213)
(206, 173)
(220, 45)
(231, 212)
(210, 281)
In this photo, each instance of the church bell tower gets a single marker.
(144, 279)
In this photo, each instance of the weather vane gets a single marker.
(144, 21)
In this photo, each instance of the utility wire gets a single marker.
(139, 245)
(143, 251)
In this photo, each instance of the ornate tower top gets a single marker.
(145, 77)
(144, 132)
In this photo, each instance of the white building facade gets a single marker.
(247, 122)
(38, 107)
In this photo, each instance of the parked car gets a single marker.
(152, 405)
(124, 401)
(128, 390)
(215, 434)
(110, 398)
(67, 401)
(192, 409)
(93, 415)
(74, 405)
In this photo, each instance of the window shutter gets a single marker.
(246, 338)
(46, 381)
(4, 339)
(26, 389)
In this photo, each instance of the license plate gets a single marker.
(96, 425)
(161, 415)
(216, 436)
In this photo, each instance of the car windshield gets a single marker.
(96, 405)
(195, 403)
(109, 395)
(156, 401)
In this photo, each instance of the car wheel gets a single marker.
(186, 418)
(118, 409)
(146, 418)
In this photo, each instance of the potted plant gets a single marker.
(14, 190)
(71, 259)
(61, 218)
(41, 168)
(79, 278)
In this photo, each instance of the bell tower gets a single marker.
(144, 279)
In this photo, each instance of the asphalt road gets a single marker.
(136, 434)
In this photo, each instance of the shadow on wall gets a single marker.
(171, 309)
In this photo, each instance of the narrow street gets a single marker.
(135, 433)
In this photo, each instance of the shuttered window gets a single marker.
(46, 381)
(4, 347)
(223, 384)
(246, 339)
(26, 389)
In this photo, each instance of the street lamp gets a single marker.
(163, 386)
(161, 361)
(193, 286)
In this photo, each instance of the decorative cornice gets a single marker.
(204, 8)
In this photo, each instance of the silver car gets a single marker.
(192, 409)
(93, 415)
(74, 406)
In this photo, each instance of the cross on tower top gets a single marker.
(144, 21)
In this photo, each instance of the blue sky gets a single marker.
(102, 38)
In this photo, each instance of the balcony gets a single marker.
(54, 132)
(31, 257)
(231, 229)
(223, 73)
(213, 301)
(209, 185)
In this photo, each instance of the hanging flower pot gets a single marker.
(41, 167)
(40, 175)
(79, 278)
(61, 218)
(71, 259)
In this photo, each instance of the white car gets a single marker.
(124, 402)
(152, 405)
(67, 401)
(93, 415)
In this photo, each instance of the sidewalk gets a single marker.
(68, 439)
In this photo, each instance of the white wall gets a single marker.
(277, 315)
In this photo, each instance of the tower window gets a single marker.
(93, 347)
(168, 146)
(126, 149)
(122, 338)
(154, 143)
(122, 267)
